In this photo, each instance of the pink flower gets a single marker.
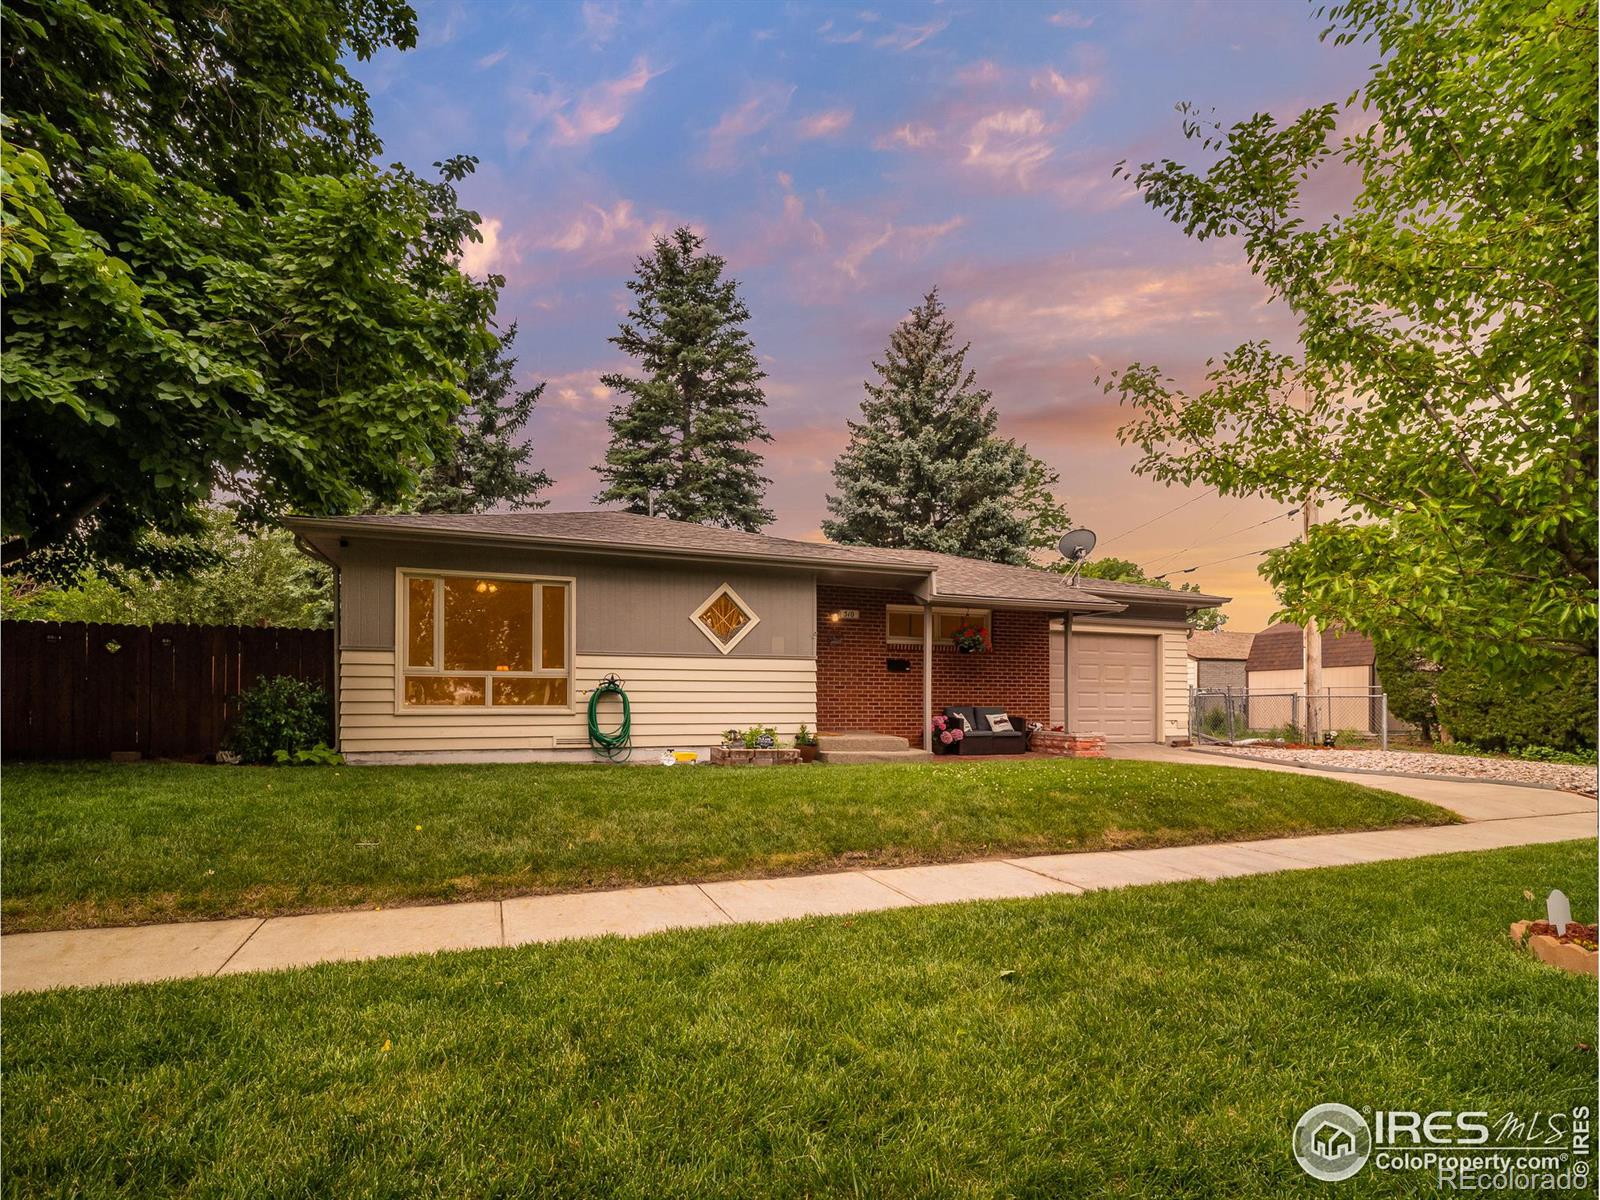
(947, 737)
(939, 722)
(957, 734)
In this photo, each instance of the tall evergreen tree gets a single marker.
(680, 444)
(925, 469)
(487, 464)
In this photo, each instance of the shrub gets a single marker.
(281, 713)
(1553, 709)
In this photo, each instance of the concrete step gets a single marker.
(862, 740)
(902, 755)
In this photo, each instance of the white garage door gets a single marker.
(1114, 686)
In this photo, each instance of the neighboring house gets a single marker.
(481, 636)
(1217, 659)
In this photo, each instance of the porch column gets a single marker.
(1066, 672)
(927, 676)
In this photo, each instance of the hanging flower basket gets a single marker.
(971, 639)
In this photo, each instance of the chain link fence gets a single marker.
(1346, 716)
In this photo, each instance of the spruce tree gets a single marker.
(925, 469)
(487, 463)
(681, 442)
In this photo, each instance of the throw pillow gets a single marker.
(966, 725)
(1000, 723)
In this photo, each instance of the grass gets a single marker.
(87, 845)
(1152, 1042)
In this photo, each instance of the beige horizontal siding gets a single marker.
(675, 701)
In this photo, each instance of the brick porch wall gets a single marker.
(856, 690)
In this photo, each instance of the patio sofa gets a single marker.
(980, 739)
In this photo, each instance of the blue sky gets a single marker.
(844, 158)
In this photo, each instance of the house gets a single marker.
(1217, 659)
(481, 636)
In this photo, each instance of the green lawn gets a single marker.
(90, 845)
(1152, 1042)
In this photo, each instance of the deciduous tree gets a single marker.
(1442, 396)
(208, 284)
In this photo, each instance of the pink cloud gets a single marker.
(1010, 143)
(599, 21)
(725, 140)
(1003, 127)
(913, 135)
(600, 235)
(481, 258)
(601, 108)
(909, 37)
(824, 124)
(1068, 19)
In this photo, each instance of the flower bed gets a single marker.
(1573, 951)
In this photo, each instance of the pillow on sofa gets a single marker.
(999, 722)
(962, 720)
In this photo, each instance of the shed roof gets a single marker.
(1281, 648)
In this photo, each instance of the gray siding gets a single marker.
(1221, 673)
(624, 606)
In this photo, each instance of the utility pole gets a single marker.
(1312, 653)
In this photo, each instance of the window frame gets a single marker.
(725, 589)
(402, 643)
(985, 614)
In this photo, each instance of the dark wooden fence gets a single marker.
(167, 691)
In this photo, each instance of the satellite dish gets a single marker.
(1076, 544)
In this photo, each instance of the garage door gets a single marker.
(1114, 686)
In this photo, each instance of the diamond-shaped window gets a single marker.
(725, 618)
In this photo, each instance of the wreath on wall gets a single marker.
(971, 639)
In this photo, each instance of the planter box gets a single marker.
(721, 756)
(1565, 955)
(1069, 745)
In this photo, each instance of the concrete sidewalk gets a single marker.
(80, 958)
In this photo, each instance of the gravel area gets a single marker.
(1511, 770)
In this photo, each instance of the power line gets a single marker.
(1283, 516)
(1216, 561)
(1158, 517)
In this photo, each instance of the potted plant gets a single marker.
(947, 735)
(806, 742)
(971, 638)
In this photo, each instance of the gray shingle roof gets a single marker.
(954, 576)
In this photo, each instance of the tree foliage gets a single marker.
(487, 463)
(208, 284)
(1443, 396)
(925, 469)
(249, 577)
(681, 442)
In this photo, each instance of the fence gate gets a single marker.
(75, 690)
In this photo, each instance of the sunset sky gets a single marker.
(844, 159)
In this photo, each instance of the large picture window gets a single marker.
(497, 641)
(903, 624)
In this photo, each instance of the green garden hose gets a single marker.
(613, 745)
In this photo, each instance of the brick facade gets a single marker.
(856, 690)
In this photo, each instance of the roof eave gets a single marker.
(333, 526)
(1086, 604)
